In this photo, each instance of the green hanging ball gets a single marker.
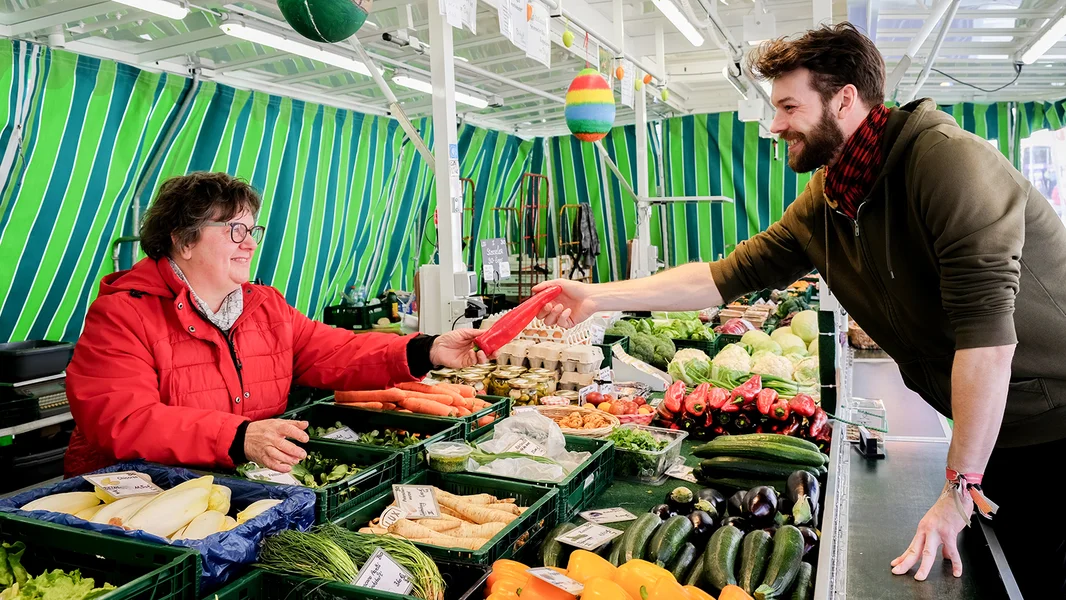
(327, 21)
(638, 84)
(665, 94)
(568, 38)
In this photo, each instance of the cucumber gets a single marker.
(553, 553)
(739, 483)
(615, 556)
(784, 563)
(754, 553)
(803, 587)
(682, 563)
(695, 574)
(734, 466)
(720, 558)
(636, 537)
(776, 451)
(667, 540)
(781, 439)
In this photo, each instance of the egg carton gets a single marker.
(538, 331)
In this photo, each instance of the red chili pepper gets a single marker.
(792, 427)
(780, 410)
(733, 405)
(818, 422)
(749, 389)
(512, 323)
(803, 405)
(765, 400)
(673, 397)
(759, 429)
(696, 402)
(716, 398)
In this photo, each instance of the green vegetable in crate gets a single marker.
(314, 471)
(721, 556)
(11, 569)
(667, 540)
(57, 585)
(784, 563)
(554, 553)
(682, 564)
(324, 431)
(690, 365)
(622, 328)
(389, 439)
(636, 439)
(754, 554)
(803, 587)
(636, 537)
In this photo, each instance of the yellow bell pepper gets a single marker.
(507, 568)
(637, 577)
(698, 594)
(601, 588)
(667, 588)
(733, 592)
(584, 565)
(503, 595)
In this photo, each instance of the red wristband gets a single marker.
(973, 478)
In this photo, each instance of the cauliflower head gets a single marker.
(772, 364)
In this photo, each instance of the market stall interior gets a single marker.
(424, 167)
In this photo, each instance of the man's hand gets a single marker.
(455, 349)
(572, 306)
(265, 443)
(940, 526)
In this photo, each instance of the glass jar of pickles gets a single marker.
(524, 392)
(445, 375)
(545, 383)
(500, 383)
(475, 379)
(570, 395)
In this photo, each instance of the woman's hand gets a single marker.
(572, 306)
(265, 443)
(455, 349)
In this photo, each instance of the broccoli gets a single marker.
(664, 351)
(623, 327)
(642, 346)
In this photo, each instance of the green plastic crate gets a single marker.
(584, 483)
(461, 581)
(708, 347)
(498, 406)
(354, 317)
(608, 354)
(723, 340)
(383, 467)
(140, 570)
(541, 513)
(434, 429)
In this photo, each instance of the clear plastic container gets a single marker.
(448, 457)
(644, 466)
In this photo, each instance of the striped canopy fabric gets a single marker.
(346, 198)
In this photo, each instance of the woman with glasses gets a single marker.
(184, 362)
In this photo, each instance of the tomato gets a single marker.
(640, 400)
(608, 397)
(594, 398)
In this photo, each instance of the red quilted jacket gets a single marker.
(153, 379)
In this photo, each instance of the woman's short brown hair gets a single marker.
(188, 202)
(836, 55)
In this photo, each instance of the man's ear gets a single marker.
(848, 97)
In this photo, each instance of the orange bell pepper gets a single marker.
(733, 592)
(698, 594)
(601, 588)
(637, 577)
(667, 588)
(503, 595)
(509, 583)
(536, 588)
(507, 568)
(584, 565)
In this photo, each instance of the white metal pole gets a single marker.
(446, 145)
(642, 247)
(944, 27)
(916, 44)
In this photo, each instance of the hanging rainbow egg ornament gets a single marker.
(589, 106)
(619, 73)
(328, 21)
(638, 84)
(647, 79)
(568, 38)
(665, 94)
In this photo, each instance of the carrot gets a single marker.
(465, 391)
(427, 407)
(444, 399)
(348, 397)
(370, 405)
(463, 412)
(413, 386)
(487, 419)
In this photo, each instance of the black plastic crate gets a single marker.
(33, 359)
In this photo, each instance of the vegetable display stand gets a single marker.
(354, 317)
(583, 484)
(461, 582)
(139, 570)
(608, 352)
(429, 429)
(383, 467)
(540, 513)
(499, 407)
(646, 466)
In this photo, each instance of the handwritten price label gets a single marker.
(124, 483)
(557, 579)
(417, 501)
(607, 515)
(589, 536)
(344, 434)
(272, 476)
(384, 574)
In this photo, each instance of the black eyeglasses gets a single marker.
(238, 232)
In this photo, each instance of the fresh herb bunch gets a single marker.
(636, 439)
(391, 438)
(639, 460)
(314, 471)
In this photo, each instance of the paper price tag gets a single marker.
(607, 515)
(272, 476)
(489, 272)
(589, 536)
(124, 483)
(390, 516)
(557, 579)
(604, 375)
(680, 471)
(527, 446)
(504, 268)
(384, 574)
(585, 391)
(417, 501)
(344, 434)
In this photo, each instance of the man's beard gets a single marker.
(819, 146)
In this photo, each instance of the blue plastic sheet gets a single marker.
(221, 554)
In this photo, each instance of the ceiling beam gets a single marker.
(186, 43)
(49, 15)
(251, 63)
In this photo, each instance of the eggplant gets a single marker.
(803, 491)
(736, 504)
(739, 522)
(810, 539)
(784, 505)
(760, 505)
(663, 511)
(714, 497)
(681, 500)
(703, 525)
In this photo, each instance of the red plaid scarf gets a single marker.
(850, 179)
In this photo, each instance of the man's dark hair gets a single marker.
(836, 55)
(186, 203)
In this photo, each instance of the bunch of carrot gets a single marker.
(439, 400)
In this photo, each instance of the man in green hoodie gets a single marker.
(945, 255)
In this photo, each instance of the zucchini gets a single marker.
(667, 540)
(683, 561)
(784, 563)
(775, 451)
(553, 553)
(695, 574)
(734, 466)
(721, 556)
(754, 553)
(615, 556)
(803, 587)
(636, 537)
(742, 484)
